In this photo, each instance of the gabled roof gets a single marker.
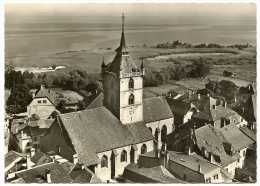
(158, 174)
(95, 101)
(234, 136)
(86, 176)
(98, 130)
(41, 158)
(13, 156)
(155, 109)
(251, 134)
(214, 114)
(43, 93)
(178, 107)
(192, 162)
(38, 175)
(207, 137)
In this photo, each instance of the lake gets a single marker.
(43, 38)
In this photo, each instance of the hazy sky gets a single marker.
(17, 12)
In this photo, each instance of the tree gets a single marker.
(19, 99)
(54, 66)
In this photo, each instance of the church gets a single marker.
(108, 137)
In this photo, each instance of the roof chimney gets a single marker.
(208, 95)
(28, 161)
(198, 96)
(42, 86)
(243, 110)
(82, 166)
(32, 152)
(188, 151)
(75, 158)
(191, 133)
(235, 99)
(48, 175)
(199, 168)
(225, 104)
(211, 157)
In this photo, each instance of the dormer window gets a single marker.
(131, 83)
(131, 99)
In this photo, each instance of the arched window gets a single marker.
(112, 100)
(112, 84)
(164, 133)
(123, 156)
(143, 149)
(131, 99)
(131, 83)
(104, 161)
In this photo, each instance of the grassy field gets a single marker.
(240, 62)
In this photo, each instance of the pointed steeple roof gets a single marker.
(142, 65)
(103, 63)
(122, 42)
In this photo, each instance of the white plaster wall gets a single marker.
(124, 83)
(126, 117)
(212, 173)
(242, 158)
(124, 97)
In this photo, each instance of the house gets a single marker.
(47, 173)
(226, 146)
(218, 116)
(106, 139)
(26, 133)
(135, 173)
(187, 166)
(14, 162)
(43, 104)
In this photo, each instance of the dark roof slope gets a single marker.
(156, 109)
(251, 134)
(38, 175)
(12, 156)
(97, 130)
(234, 136)
(95, 101)
(86, 176)
(40, 158)
(178, 107)
(158, 174)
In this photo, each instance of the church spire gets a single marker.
(103, 63)
(142, 65)
(122, 42)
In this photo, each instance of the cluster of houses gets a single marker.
(122, 137)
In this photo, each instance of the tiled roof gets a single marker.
(156, 109)
(178, 107)
(12, 156)
(97, 130)
(158, 174)
(251, 134)
(122, 63)
(200, 103)
(234, 136)
(38, 175)
(214, 114)
(41, 158)
(43, 93)
(193, 162)
(95, 101)
(209, 138)
(86, 176)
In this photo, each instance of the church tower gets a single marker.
(123, 85)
